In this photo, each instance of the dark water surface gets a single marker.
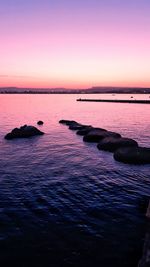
(63, 202)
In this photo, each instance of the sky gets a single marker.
(74, 43)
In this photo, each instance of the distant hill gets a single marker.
(92, 90)
(122, 90)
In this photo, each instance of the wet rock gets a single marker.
(84, 130)
(87, 129)
(133, 155)
(40, 122)
(67, 122)
(111, 144)
(96, 135)
(73, 125)
(78, 127)
(23, 132)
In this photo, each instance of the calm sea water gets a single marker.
(63, 202)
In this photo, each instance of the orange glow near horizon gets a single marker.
(74, 85)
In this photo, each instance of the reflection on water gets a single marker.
(63, 202)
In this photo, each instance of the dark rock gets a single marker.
(78, 127)
(40, 122)
(87, 129)
(23, 132)
(111, 144)
(67, 122)
(133, 155)
(84, 130)
(96, 135)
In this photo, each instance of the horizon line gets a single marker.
(64, 88)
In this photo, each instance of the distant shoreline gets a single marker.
(92, 90)
(58, 93)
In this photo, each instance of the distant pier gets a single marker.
(134, 101)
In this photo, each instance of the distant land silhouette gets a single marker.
(92, 90)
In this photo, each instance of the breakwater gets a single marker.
(133, 101)
(125, 150)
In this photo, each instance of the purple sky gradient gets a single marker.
(74, 44)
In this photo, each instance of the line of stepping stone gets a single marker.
(125, 150)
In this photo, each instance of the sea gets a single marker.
(64, 203)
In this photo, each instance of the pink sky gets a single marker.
(75, 46)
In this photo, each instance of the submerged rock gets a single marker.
(23, 132)
(40, 122)
(111, 144)
(133, 155)
(96, 135)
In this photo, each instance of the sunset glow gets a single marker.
(75, 44)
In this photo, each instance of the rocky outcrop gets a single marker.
(133, 155)
(23, 132)
(96, 135)
(111, 144)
